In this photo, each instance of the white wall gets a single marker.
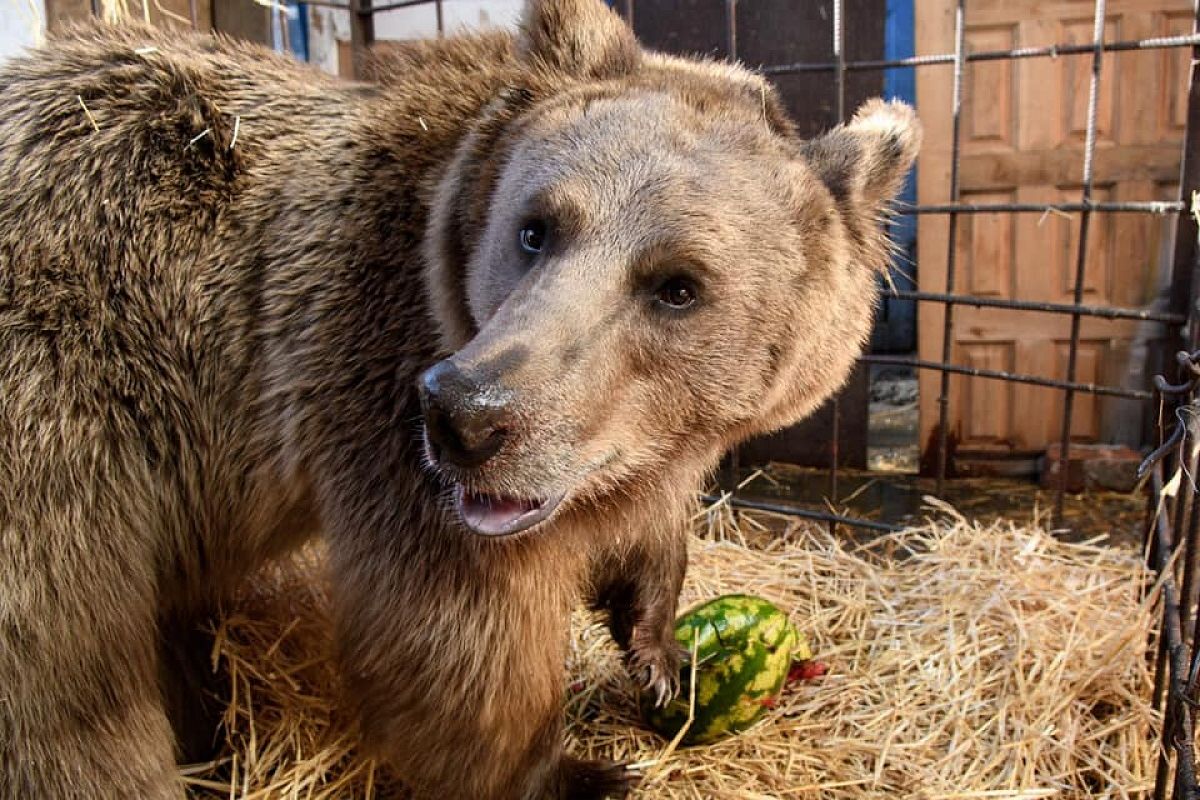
(20, 25)
(326, 27)
(421, 21)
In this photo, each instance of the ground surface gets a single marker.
(898, 498)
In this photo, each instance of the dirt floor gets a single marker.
(892, 440)
(891, 491)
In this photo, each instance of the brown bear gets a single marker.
(485, 324)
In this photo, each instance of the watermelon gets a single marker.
(744, 648)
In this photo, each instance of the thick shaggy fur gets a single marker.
(221, 275)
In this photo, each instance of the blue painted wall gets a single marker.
(297, 29)
(896, 324)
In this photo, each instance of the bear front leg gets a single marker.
(81, 714)
(640, 592)
(551, 774)
(453, 656)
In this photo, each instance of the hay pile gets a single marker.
(966, 662)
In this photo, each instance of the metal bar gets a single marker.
(1170, 543)
(330, 4)
(839, 57)
(281, 17)
(362, 33)
(441, 18)
(1049, 51)
(960, 51)
(1175, 708)
(834, 448)
(1085, 220)
(1013, 377)
(1185, 257)
(1129, 206)
(399, 4)
(1104, 312)
(1183, 693)
(731, 29)
(839, 60)
(1190, 513)
(1153, 490)
(1162, 555)
(1182, 300)
(796, 511)
(735, 455)
(1173, 652)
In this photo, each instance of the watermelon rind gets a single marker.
(744, 649)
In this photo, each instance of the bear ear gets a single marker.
(578, 37)
(864, 162)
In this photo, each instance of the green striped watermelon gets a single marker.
(744, 648)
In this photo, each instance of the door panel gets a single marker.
(1023, 132)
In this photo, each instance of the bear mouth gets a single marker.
(497, 515)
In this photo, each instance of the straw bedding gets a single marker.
(966, 661)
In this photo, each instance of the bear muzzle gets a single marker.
(467, 422)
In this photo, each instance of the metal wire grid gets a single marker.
(1177, 678)
(1174, 318)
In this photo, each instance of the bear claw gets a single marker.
(656, 669)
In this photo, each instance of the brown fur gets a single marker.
(210, 350)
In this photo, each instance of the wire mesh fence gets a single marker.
(1173, 517)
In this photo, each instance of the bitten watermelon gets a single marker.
(745, 647)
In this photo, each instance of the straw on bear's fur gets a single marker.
(966, 661)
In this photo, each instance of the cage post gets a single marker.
(731, 29)
(839, 58)
(281, 19)
(1085, 219)
(735, 453)
(952, 239)
(1176, 664)
(1185, 257)
(362, 34)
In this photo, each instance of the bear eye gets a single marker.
(676, 293)
(532, 236)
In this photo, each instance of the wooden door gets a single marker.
(1022, 140)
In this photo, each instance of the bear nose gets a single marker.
(463, 419)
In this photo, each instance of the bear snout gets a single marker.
(466, 420)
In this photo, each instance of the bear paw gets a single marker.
(655, 666)
(596, 780)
